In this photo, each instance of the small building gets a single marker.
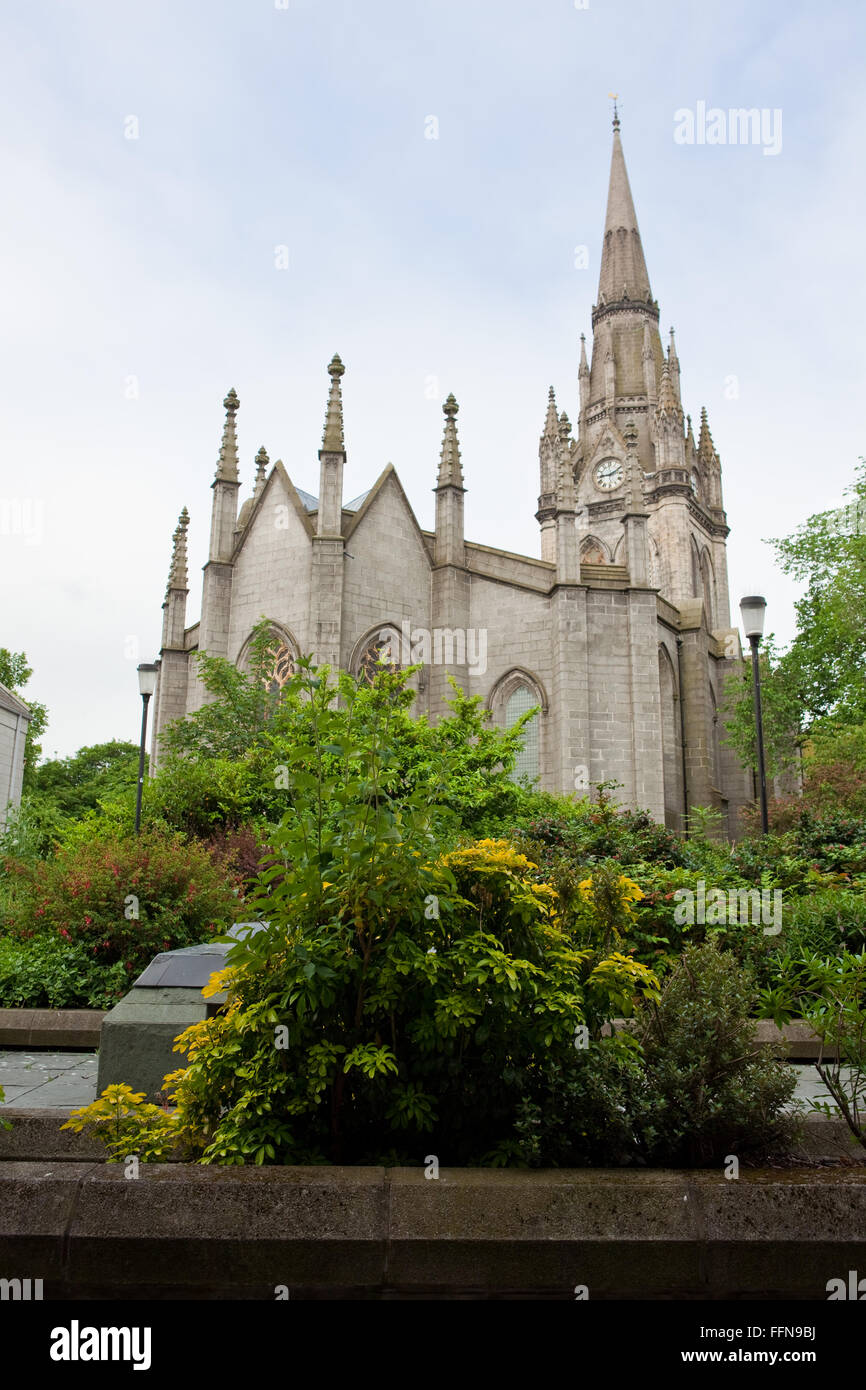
(14, 719)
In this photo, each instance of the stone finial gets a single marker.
(551, 419)
(262, 461)
(706, 447)
(450, 467)
(332, 439)
(177, 574)
(672, 348)
(227, 463)
(583, 370)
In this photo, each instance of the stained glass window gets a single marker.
(518, 703)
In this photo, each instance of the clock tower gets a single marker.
(632, 433)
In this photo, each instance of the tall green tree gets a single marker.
(816, 690)
(77, 784)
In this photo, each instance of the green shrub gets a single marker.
(124, 899)
(42, 973)
(400, 995)
(709, 1089)
(830, 994)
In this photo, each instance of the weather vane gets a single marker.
(614, 96)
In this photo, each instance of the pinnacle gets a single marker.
(227, 462)
(551, 419)
(667, 401)
(261, 468)
(450, 467)
(706, 448)
(332, 439)
(177, 574)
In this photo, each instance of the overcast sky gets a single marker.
(141, 280)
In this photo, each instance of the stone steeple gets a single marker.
(623, 274)
(627, 353)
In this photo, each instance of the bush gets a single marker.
(593, 830)
(123, 899)
(42, 973)
(402, 994)
(709, 1089)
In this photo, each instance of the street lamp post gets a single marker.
(147, 674)
(753, 610)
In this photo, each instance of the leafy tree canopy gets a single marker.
(816, 690)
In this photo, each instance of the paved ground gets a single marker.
(45, 1080)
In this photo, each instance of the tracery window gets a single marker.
(519, 701)
(381, 653)
(282, 670)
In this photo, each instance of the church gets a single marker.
(618, 633)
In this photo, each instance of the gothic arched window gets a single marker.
(519, 701)
(381, 652)
(282, 669)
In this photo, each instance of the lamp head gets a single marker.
(147, 673)
(752, 610)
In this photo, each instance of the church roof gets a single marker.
(311, 503)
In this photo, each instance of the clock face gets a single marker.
(608, 474)
(696, 483)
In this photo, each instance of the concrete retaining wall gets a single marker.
(189, 1232)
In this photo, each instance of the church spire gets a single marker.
(450, 468)
(623, 273)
